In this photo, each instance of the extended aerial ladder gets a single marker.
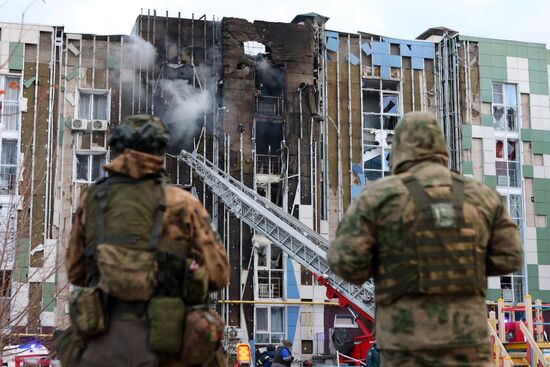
(300, 242)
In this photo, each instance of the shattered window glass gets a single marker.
(511, 118)
(505, 103)
(82, 163)
(369, 138)
(512, 150)
(390, 103)
(498, 117)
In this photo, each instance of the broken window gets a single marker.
(499, 149)
(254, 48)
(381, 112)
(270, 273)
(9, 103)
(93, 104)
(505, 106)
(507, 166)
(89, 166)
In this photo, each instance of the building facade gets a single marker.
(302, 115)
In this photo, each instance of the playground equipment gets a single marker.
(517, 334)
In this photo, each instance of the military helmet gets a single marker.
(145, 133)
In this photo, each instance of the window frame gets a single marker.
(10, 102)
(272, 280)
(93, 92)
(90, 154)
(504, 104)
(282, 335)
(14, 190)
(504, 161)
(380, 147)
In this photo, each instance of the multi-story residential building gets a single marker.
(302, 115)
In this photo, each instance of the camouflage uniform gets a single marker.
(416, 329)
(184, 220)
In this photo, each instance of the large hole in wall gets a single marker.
(254, 48)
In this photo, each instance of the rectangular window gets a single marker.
(505, 107)
(507, 162)
(8, 166)
(93, 104)
(270, 325)
(381, 112)
(9, 103)
(270, 272)
(89, 166)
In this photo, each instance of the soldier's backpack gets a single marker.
(125, 255)
(438, 254)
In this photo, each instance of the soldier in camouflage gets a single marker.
(185, 226)
(430, 238)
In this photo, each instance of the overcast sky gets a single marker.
(522, 20)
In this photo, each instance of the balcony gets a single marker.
(269, 106)
(268, 164)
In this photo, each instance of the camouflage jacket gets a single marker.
(183, 214)
(375, 221)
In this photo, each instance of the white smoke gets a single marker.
(187, 106)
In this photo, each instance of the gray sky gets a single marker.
(522, 20)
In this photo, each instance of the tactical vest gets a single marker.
(124, 255)
(438, 255)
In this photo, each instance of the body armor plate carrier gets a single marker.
(438, 255)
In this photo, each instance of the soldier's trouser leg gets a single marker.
(124, 344)
(455, 357)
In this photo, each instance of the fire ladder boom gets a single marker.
(300, 242)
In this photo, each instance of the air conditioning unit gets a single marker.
(79, 125)
(99, 125)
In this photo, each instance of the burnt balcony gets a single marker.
(267, 106)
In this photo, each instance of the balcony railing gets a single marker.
(268, 164)
(270, 106)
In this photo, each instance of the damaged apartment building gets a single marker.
(300, 114)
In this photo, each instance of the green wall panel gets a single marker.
(527, 171)
(490, 180)
(48, 297)
(22, 260)
(16, 56)
(468, 168)
(487, 120)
